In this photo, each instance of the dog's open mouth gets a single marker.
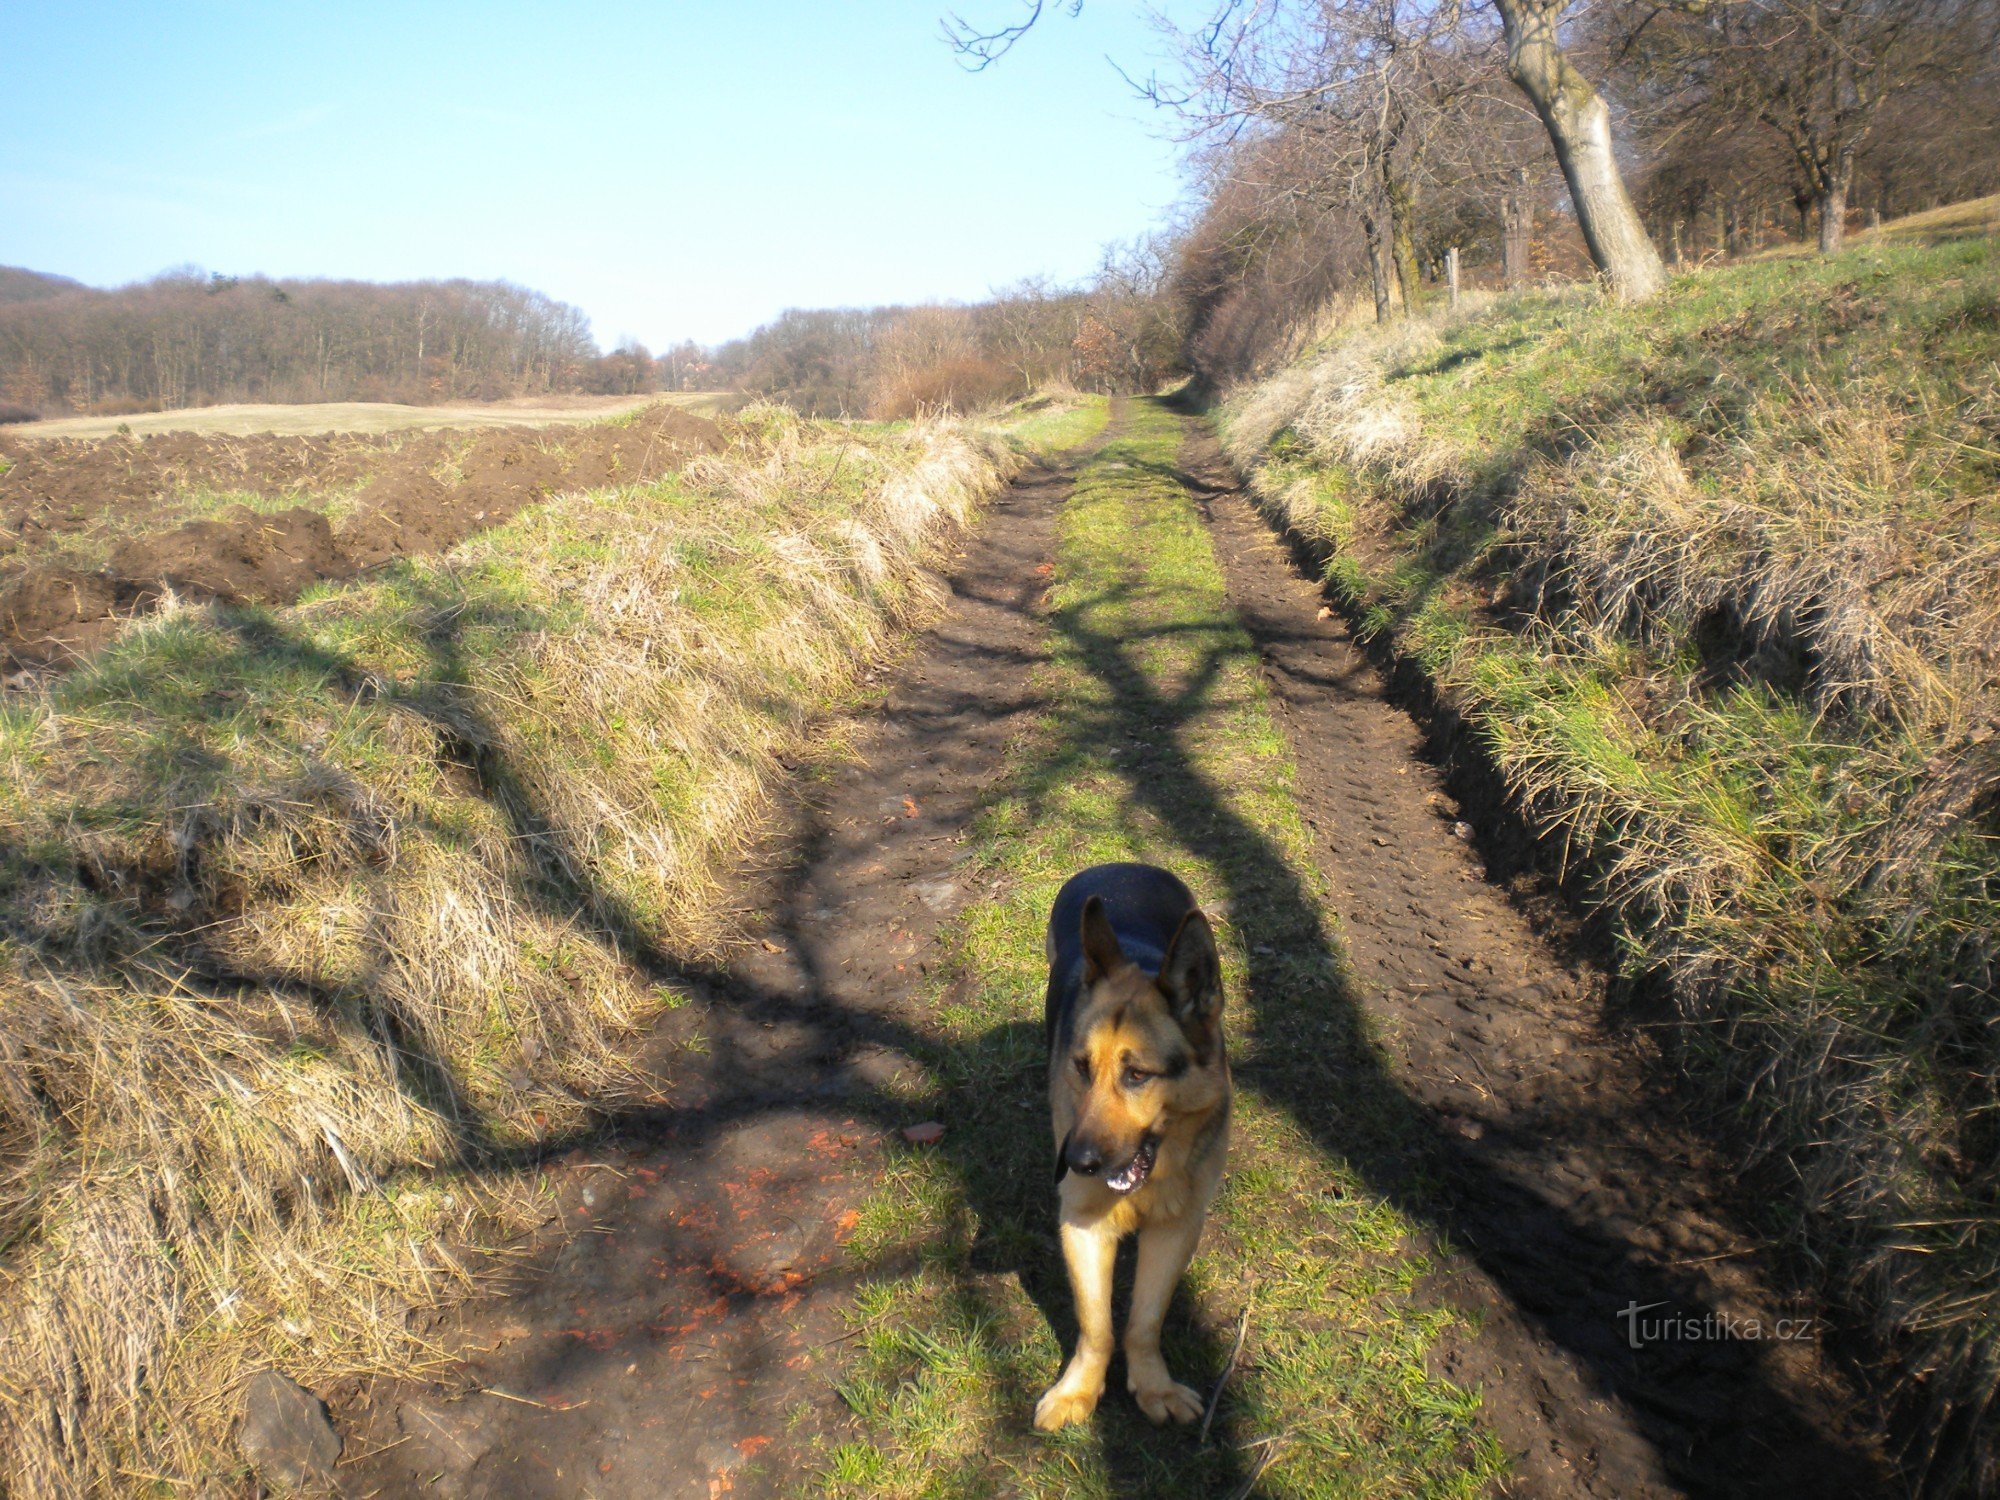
(1134, 1171)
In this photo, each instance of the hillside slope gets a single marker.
(19, 284)
(1716, 582)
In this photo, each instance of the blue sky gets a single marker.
(684, 168)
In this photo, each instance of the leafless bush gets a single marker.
(955, 385)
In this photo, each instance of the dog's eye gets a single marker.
(1083, 1068)
(1136, 1077)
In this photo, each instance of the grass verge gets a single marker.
(314, 918)
(1717, 581)
(1160, 747)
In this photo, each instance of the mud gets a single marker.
(397, 495)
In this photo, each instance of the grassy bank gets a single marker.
(1159, 745)
(312, 916)
(1717, 582)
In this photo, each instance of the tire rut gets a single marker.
(684, 1339)
(682, 1332)
(1574, 1190)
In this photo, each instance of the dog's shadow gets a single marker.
(1000, 1148)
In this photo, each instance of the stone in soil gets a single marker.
(286, 1433)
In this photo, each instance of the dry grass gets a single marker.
(314, 915)
(1718, 580)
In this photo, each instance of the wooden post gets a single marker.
(1517, 211)
(1451, 273)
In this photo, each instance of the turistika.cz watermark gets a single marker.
(1645, 1325)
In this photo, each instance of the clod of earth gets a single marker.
(286, 1434)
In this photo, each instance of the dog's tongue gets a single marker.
(1135, 1170)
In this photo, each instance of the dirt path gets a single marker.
(687, 1338)
(1574, 1191)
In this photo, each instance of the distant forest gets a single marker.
(1115, 332)
(193, 338)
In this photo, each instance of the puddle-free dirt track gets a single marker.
(685, 1337)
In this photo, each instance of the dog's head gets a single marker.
(1145, 1054)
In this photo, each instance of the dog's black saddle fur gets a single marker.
(1145, 906)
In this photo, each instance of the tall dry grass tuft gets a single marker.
(315, 916)
(1718, 582)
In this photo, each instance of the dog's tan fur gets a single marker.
(1134, 1071)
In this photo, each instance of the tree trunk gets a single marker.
(1833, 204)
(1732, 225)
(1579, 126)
(1517, 214)
(1402, 235)
(1378, 263)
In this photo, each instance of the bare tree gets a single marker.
(1576, 117)
(1357, 97)
(1579, 125)
(191, 338)
(1816, 72)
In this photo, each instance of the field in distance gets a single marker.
(371, 416)
(94, 528)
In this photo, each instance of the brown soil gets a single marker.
(681, 1332)
(401, 495)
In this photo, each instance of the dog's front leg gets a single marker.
(1091, 1250)
(1164, 1250)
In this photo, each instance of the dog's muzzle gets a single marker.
(1135, 1171)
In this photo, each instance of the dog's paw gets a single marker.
(1063, 1404)
(1167, 1401)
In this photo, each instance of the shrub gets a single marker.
(952, 385)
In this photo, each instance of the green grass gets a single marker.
(1163, 748)
(1713, 580)
(1065, 423)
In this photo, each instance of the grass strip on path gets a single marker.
(1159, 745)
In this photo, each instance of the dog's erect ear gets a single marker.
(1062, 1158)
(1101, 954)
(1191, 979)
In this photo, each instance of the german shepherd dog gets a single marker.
(1139, 1094)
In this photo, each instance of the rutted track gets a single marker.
(685, 1339)
(1574, 1190)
